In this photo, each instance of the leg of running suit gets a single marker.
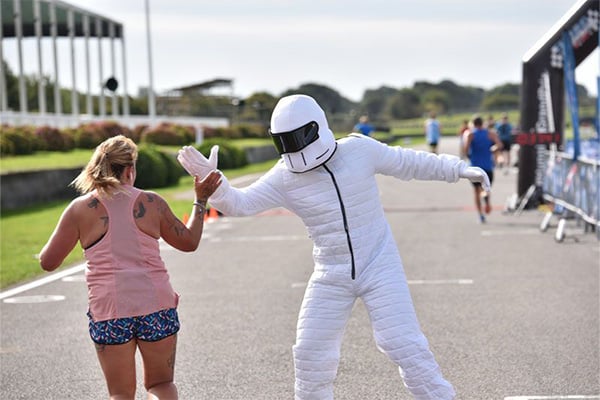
(325, 310)
(398, 334)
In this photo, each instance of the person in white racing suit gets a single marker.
(331, 186)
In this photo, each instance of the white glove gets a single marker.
(195, 163)
(476, 174)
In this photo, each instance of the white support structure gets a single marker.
(89, 107)
(74, 94)
(59, 20)
(123, 60)
(19, 34)
(115, 102)
(38, 34)
(102, 105)
(54, 33)
(3, 96)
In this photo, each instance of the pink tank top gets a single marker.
(125, 274)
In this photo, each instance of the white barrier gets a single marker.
(573, 186)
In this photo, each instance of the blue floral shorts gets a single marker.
(149, 328)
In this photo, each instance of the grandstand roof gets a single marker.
(62, 11)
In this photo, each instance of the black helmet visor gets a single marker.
(296, 140)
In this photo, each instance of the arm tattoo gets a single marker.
(105, 219)
(150, 197)
(177, 226)
(93, 203)
(162, 207)
(140, 212)
(99, 347)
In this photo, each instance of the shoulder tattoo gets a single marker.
(139, 211)
(93, 203)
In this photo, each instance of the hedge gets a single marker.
(19, 140)
(229, 156)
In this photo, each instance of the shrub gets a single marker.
(251, 131)
(227, 133)
(22, 139)
(69, 137)
(151, 168)
(187, 132)
(109, 129)
(137, 132)
(6, 146)
(165, 134)
(209, 132)
(174, 169)
(88, 136)
(53, 139)
(229, 156)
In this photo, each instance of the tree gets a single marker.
(502, 97)
(375, 101)
(405, 104)
(329, 99)
(258, 106)
(435, 100)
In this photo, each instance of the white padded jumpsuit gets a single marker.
(355, 255)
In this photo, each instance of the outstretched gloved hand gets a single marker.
(195, 163)
(476, 174)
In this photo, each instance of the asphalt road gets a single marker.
(509, 313)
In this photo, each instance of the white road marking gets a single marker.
(42, 281)
(44, 298)
(440, 281)
(296, 285)
(74, 278)
(257, 238)
(571, 397)
(511, 232)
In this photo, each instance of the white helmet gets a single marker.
(301, 133)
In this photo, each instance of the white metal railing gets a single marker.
(131, 121)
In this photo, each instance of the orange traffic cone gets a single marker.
(212, 213)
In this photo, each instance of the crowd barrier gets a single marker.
(572, 186)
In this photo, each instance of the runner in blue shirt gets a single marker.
(433, 131)
(363, 126)
(478, 146)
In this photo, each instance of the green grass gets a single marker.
(22, 236)
(45, 160)
(24, 232)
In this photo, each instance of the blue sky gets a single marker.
(348, 45)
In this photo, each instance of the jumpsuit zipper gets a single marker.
(337, 189)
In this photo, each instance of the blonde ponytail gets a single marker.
(103, 171)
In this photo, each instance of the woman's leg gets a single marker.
(118, 364)
(159, 367)
(323, 316)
